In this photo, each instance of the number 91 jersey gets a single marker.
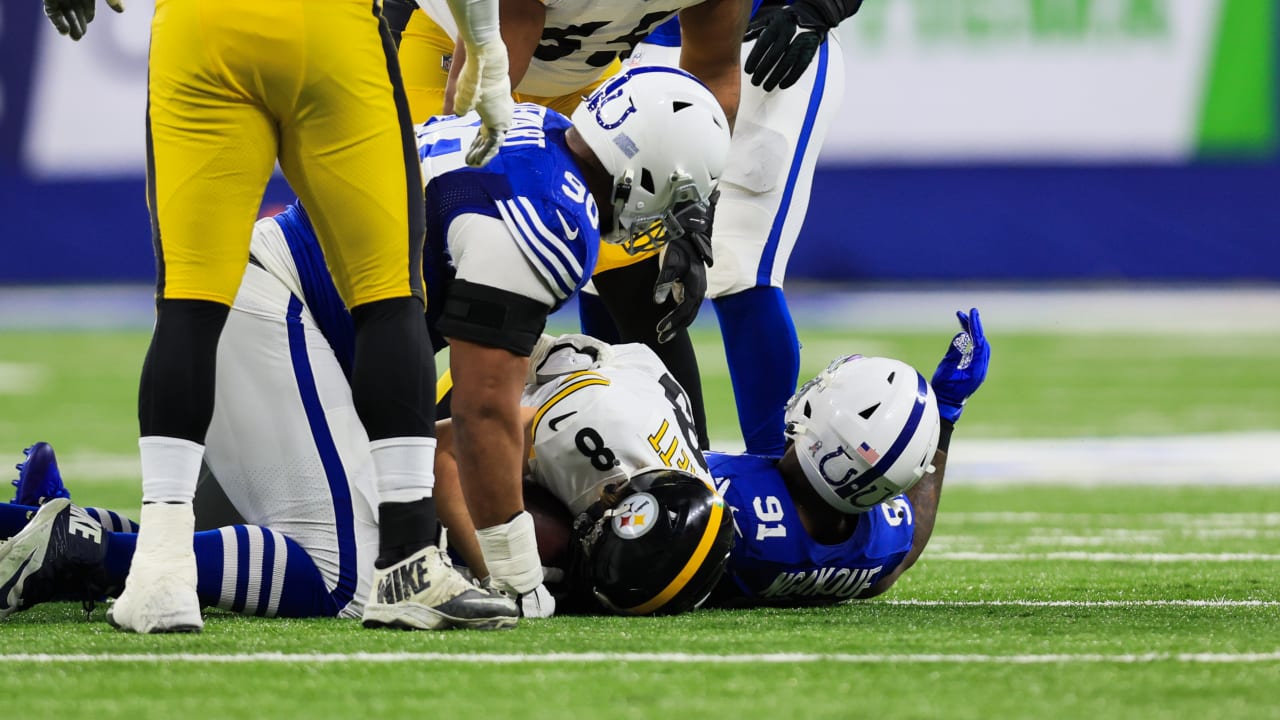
(606, 422)
(774, 561)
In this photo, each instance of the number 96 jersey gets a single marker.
(607, 421)
(774, 561)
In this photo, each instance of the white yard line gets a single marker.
(1086, 603)
(663, 658)
(1104, 557)
(1190, 519)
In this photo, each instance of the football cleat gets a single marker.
(38, 478)
(425, 592)
(58, 555)
(160, 593)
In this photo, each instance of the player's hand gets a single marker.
(963, 368)
(780, 55)
(484, 86)
(684, 262)
(538, 603)
(72, 17)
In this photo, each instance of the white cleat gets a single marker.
(425, 592)
(160, 593)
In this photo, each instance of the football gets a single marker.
(552, 524)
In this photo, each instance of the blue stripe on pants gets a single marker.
(765, 271)
(335, 473)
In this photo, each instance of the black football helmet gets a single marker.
(655, 544)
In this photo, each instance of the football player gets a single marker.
(841, 514)
(515, 239)
(232, 88)
(560, 53)
(792, 87)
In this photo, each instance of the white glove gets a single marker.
(511, 553)
(484, 84)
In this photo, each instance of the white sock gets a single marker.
(170, 469)
(405, 467)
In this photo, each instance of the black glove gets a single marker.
(72, 17)
(685, 259)
(780, 55)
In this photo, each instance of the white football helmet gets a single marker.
(865, 430)
(663, 137)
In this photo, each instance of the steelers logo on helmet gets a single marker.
(635, 516)
(665, 547)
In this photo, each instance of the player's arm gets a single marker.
(711, 48)
(452, 506)
(924, 497)
(961, 372)
(482, 84)
(521, 23)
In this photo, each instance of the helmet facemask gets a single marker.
(638, 231)
(663, 138)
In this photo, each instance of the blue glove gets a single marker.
(963, 368)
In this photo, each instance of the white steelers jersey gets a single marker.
(580, 38)
(599, 425)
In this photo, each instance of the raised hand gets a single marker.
(963, 368)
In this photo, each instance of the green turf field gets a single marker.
(1108, 601)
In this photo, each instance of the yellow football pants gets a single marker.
(234, 86)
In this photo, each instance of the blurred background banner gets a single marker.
(979, 140)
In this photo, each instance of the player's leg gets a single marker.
(210, 152)
(285, 445)
(349, 151)
(246, 569)
(764, 195)
(627, 292)
(64, 554)
(15, 516)
(426, 51)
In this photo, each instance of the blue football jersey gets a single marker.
(533, 185)
(775, 561)
(319, 293)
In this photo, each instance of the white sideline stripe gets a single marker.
(1214, 459)
(664, 658)
(1085, 603)
(1105, 557)
(1223, 519)
(1095, 462)
(1199, 460)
